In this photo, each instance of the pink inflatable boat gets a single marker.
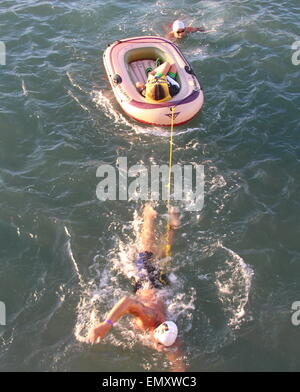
(125, 62)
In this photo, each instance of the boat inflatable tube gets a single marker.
(125, 63)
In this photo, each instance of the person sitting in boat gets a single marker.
(179, 30)
(161, 85)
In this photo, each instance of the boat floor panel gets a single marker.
(137, 70)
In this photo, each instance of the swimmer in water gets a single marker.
(148, 311)
(179, 30)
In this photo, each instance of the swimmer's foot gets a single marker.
(174, 218)
(158, 62)
(149, 212)
(148, 69)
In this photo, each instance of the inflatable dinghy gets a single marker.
(125, 63)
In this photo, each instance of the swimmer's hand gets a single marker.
(97, 334)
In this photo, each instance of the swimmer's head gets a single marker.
(155, 92)
(178, 27)
(166, 333)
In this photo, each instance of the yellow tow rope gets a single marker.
(168, 246)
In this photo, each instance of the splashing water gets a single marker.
(234, 284)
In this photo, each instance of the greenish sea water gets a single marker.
(65, 256)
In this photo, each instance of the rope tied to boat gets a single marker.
(168, 245)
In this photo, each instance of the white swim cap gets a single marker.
(166, 333)
(178, 25)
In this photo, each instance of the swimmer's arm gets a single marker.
(194, 29)
(170, 35)
(129, 305)
(119, 310)
(175, 356)
(126, 305)
(141, 311)
(202, 29)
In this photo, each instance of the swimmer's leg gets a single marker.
(174, 224)
(162, 69)
(148, 233)
(172, 71)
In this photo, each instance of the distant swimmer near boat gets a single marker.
(148, 310)
(179, 30)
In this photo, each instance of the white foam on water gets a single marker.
(96, 298)
(217, 182)
(84, 107)
(101, 99)
(101, 293)
(72, 258)
(25, 91)
(182, 304)
(75, 84)
(78, 87)
(234, 285)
